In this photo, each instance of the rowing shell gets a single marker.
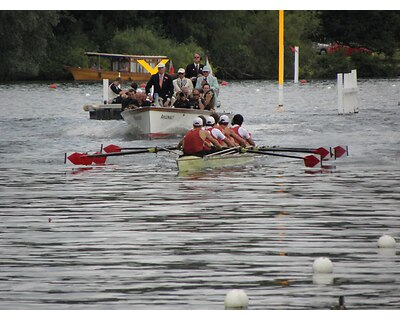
(194, 163)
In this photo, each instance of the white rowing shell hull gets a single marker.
(193, 163)
(157, 122)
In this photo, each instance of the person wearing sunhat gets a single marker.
(207, 78)
(183, 88)
(198, 142)
(182, 82)
(162, 83)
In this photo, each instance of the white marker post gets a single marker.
(347, 92)
(296, 64)
(105, 91)
(340, 93)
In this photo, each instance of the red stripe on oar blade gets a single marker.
(339, 151)
(322, 152)
(112, 148)
(99, 160)
(80, 158)
(311, 161)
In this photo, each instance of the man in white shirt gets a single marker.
(181, 82)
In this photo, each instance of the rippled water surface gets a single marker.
(136, 235)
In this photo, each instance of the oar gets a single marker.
(114, 148)
(86, 159)
(309, 161)
(223, 151)
(100, 158)
(323, 152)
(340, 151)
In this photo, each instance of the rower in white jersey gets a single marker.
(223, 125)
(217, 134)
(237, 122)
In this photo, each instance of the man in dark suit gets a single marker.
(162, 83)
(194, 69)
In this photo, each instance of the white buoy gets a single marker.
(87, 94)
(322, 265)
(236, 299)
(386, 241)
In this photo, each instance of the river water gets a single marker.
(136, 235)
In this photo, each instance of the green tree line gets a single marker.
(36, 45)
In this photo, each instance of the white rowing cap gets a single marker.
(236, 299)
(198, 122)
(210, 121)
(224, 119)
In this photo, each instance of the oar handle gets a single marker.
(222, 151)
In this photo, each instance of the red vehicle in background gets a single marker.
(348, 49)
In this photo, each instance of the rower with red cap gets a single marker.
(197, 141)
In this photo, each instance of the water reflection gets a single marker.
(323, 278)
(135, 234)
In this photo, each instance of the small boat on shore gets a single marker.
(137, 68)
(160, 122)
